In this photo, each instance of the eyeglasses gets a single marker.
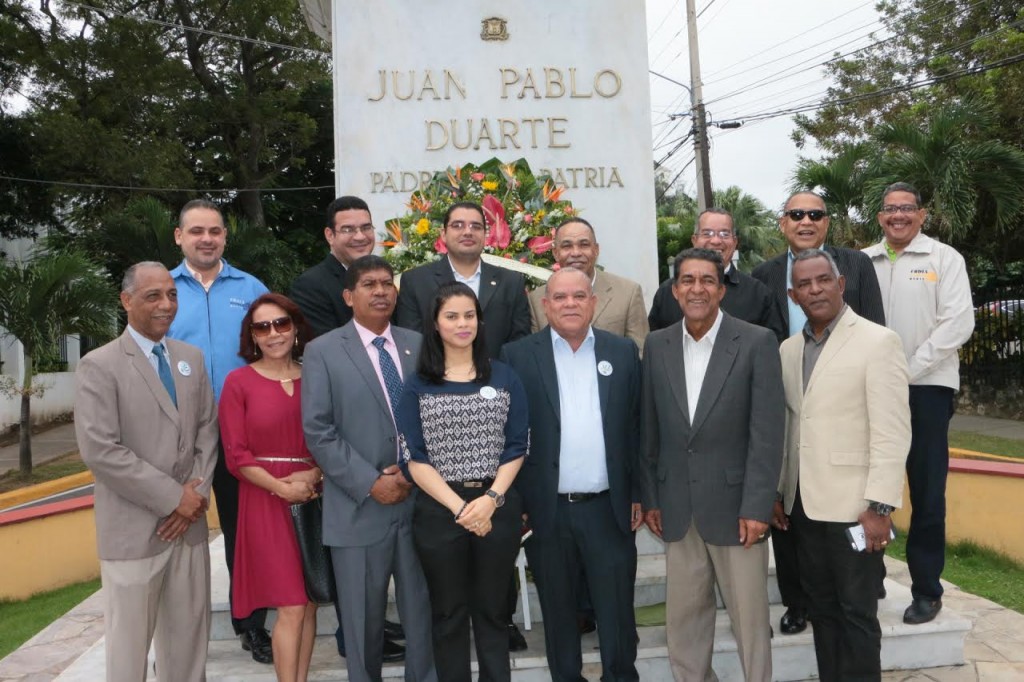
(797, 214)
(460, 226)
(349, 230)
(281, 325)
(710, 234)
(902, 208)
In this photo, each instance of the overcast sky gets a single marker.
(778, 45)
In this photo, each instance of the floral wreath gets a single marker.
(521, 210)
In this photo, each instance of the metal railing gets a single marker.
(994, 355)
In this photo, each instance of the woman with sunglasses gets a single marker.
(264, 447)
(464, 431)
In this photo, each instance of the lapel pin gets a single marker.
(407, 352)
(184, 369)
(488, 393)
(493, 283)
(604, 368)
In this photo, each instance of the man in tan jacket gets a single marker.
(146, 426)
(847, 437)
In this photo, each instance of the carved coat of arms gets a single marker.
(494, 28)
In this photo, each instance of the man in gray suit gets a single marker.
(351, 377)
(146, 426)
(712, 414)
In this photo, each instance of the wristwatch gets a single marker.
(881, 508)
(498, 498)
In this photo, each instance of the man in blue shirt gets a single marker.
(213, 297)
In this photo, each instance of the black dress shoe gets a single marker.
(881, 592)
(393, 653)
(516, 641)
(793, 621)
(257, 642)
(393, 630)
(922, 610)
(585, 624)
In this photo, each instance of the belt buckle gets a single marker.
(472, 484)
(575, 497)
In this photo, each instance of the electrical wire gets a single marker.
(85, 185)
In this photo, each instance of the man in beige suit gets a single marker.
(147, 428)
(847, 438)
(620, 302)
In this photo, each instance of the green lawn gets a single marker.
(977, 570)
(58, 468)
(992, 445)
(23, 619)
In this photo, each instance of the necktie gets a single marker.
(164, 370)
(392, 379)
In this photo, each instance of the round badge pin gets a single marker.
(184, 369)
(605, 368)
(488, 393)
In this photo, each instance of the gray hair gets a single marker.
(902, 187)
(131, 274)
(811, 254)
(198, 203)
(717, 211)
(590, 283)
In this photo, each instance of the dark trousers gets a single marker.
(225, 487)
(468, 578)
(585, 533)
(931, 408)
(787, 569)
(841, 585)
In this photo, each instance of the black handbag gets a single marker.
(317, 569)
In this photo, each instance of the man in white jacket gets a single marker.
(927, 301)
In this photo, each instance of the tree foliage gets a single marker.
(55, 294)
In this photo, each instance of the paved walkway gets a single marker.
(988, 426)
(47, 446)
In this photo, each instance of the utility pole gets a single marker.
(700, 125)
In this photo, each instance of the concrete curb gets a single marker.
(40, 490)
(959, 453)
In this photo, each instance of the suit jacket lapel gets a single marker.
(545, 357)
(490, 277)
(353, 345)
(675, 369)
(603, 382)
(404, 354)
(604, 291)
(140, 364)
(723, 355)
(778, 278)
(842, 333)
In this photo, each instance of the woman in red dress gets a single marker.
(261, 429)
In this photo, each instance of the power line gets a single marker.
(194, 29)
(925, 82)
(135, 188)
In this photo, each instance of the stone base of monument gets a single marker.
(939, 643)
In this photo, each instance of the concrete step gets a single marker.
(649, 589)
(939, 643)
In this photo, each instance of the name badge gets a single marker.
(184, 369)
(488, 393)
(604, 368)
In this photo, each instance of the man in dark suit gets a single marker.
(502, 293)
(711, 456)
(583, 388)
(745, 297)
(317, 291)
(348, 376)
(804, 222)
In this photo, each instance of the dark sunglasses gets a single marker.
(282, 325)
(798, 214)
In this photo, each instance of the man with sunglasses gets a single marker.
(745, 297)
(928, 304)
(317, 291)
(213, 297)
(804, 222)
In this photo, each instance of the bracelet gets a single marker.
(461, 509)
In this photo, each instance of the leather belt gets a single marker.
(308, 460)
(483, 483)
(581, 497)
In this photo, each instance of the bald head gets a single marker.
(569, 305)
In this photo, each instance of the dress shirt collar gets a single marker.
(366, 336)
(198, 277)
(465, 280)
(557, 342)
(710, 336)
(809, 331)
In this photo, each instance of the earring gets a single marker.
(296, 344)
(256, 348)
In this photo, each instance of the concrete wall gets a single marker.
(58, 400)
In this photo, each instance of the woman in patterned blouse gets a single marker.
(464, 433)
